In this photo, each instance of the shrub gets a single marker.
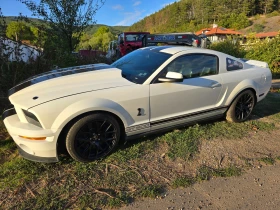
(258, 28)
(230, 47)
(267, 50)
(274, 13)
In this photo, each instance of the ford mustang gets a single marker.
(89, 109)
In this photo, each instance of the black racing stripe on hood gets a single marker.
(55, 74)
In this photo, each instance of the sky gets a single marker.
(112, 13)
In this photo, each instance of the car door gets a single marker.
(197, 96)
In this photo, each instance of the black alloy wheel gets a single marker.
(93, 137)
(242, 107)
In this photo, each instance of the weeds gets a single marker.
(151, 191)
(183, 182)
(268, 160)
(205, 172)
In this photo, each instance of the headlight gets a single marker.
(31, 118)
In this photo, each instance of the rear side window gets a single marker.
(233, 65)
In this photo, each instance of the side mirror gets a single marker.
(172, 77)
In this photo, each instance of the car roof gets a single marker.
(169, 49)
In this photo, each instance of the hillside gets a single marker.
(263, 24)
(90, 30)
(188, 15)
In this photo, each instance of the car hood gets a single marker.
(66, 82)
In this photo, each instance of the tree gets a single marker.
(65, 18)
(99, 41)
(18, 30)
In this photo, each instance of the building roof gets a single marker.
(267, 34)
(202, 31)
(217, 30)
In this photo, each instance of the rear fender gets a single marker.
(245, 84)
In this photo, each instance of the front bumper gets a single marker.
(35, 150)
(36, 158)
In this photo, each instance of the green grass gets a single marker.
(269, 107)
(183, 182)
(16, 172)
(205, 172)
(151, 191)
(7, 147)
(183, 143)
(268, 160)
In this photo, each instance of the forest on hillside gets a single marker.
(189, 15)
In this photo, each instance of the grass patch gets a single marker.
(205, 172)
(183, 143)
(151, 191)
(269, 107)
(18, 171)
(7, 147)
(49, 198)
(267, 160)
(183, 182)
(126, 154)
(3, 132)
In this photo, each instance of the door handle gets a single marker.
(215, 84)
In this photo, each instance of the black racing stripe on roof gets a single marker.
(55, 74)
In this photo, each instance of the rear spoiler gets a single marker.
(256, 63)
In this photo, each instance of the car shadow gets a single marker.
(268, 107)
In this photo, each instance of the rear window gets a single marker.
(233, 65)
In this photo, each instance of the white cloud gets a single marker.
(118, 7)
(136, 3)
(130, 18)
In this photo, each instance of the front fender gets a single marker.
(89, 105)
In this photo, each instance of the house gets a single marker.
(216, 33)
(15, 51)
(265, 35)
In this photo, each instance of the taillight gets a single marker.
(197, 42)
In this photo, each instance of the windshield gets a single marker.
(139, 65)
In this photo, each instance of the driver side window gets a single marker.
(194, 65)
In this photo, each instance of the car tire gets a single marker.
(242, 107)
(93, 137)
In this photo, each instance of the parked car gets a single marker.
(186, 38)
(90, 108)
(128, 42)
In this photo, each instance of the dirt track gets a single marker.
(256, 189)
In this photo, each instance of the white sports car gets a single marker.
(90, 108)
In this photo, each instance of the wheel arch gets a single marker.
(243, 86)
(61, 146)
(249, 88)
